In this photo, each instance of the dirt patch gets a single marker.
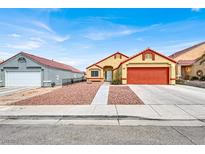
(123, 95)
(25, 94)
(78, 93)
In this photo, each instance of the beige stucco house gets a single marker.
(191, 61)
(146, 67)
(103, 69)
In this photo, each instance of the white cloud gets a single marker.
(15, 35)
(51, 34)
(102, 35)
(29, 45)
(110, 30)
(195, 9)
(38, 39)
(59, 38)
(43, 25)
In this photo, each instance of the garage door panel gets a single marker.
(23, 79)
(148, 75)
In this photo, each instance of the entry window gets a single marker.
(94, 73)
(148, 56)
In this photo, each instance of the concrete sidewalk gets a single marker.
(147, 112)
(101, 98)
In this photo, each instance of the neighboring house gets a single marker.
(146, 67)
(24, 69)
(191, 61)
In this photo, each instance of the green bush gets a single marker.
(180, 81)
(116, 82)
(194, 78)
(53, 84)
(202, 78)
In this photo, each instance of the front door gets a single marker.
(108, 76)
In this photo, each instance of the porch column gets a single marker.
(179, 73)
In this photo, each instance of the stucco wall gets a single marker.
(111, 61)
(192, 54)
(94, 68)
(199, 65)
(158, 62)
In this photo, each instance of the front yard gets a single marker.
(23, 94)
(78, 93)
(123, 95)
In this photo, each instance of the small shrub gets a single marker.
(194, 78)
(53, 84)
(202, 78)
(116, 82)
(180, 81)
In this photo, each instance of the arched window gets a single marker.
(22, 60)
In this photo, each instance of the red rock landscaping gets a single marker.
(123, 95)
(74, 94)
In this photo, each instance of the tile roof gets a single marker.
(176, 54)
(47, 62)
(186, 62)
(51, 63)
(107, 58)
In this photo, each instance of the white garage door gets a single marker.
(23, 79)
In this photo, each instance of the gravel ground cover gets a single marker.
(25, 94)
(75, 94)
(123, 95)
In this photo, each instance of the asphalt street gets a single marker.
(87, 134)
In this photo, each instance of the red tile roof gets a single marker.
(186, 62)
(47, 62)
(51, 63)
(107, 58)
(176, 54)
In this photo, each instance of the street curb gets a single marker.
(89, 117)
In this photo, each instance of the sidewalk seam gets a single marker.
(183, 135)
(118, 120)
(187, 112)
(154, 110)
(190, 114)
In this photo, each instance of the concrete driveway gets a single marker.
(10, 90)
(170, 94)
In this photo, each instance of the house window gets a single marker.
(148, 56)
(22, 60)
(94, 73)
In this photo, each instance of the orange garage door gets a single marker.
(148, 75)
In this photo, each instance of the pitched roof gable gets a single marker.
(148, 49)
(47, 62)
(107, 58)
(176, 54)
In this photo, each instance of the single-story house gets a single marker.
(24, 69)
(146, 67)
(190, 61)
(103, 69)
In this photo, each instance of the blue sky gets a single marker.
(80, 37)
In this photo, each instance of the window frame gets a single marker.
(148, 57)
(94, 75)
